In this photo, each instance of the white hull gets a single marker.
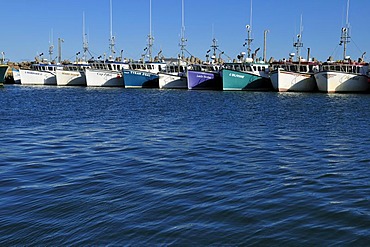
(339, 82)
(104, 78)
(16, 76)
(70, 78)
(30, 77)
(168, 81)
(286, 81)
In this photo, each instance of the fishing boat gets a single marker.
(144, 74)
(345, 76)
(174, 76)
(246, 72)
(295, 76)
(74, 74)
(40, 74)
(289, 76)
(247, 75)
(107, 72)
(207, 75)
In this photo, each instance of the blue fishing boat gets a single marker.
(144, 74)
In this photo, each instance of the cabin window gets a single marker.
(248, 68)
(358, 70)
(159, 68)
(259, 68)
(181, 69)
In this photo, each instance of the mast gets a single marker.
(112, 38)
(60, 41)
(150, 37)
(51, 46)
(344, 39)
(214, 46)
(183, 40)
(249, 30)
(264, 44)
(85, 44)
(298, 45)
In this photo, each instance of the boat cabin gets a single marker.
(246, 67)
(76, 67)
(45, 67)
(149, 67)
(353, 68)
(303, 67)
(109, 65)
(205, 67)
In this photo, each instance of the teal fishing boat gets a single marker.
(246, 72)
(246, 76)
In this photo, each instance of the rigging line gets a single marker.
(356, 45)
(335, 49)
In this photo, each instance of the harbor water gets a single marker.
(104, 166)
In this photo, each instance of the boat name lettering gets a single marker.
(33, 73)
(140, 73)
(236, 75)
(205, 76)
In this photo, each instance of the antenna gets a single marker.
(183, 40)
(298, 45)
(51, 46)
(150, 37)
(85, 44)
(345, 38)
(112, 38)
(249, 30)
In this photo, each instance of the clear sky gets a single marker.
(27, 26)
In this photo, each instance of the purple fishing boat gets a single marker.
(204, 77)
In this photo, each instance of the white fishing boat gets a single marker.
(174, 76)
(72, 75)
(40, 74)
(107, 73)
(75, 74)
(344, 76)
(289, 76)
(295, 76)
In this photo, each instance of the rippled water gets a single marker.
(81, 166)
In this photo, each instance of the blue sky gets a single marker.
(29, 25)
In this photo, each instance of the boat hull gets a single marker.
(103, 78)
(287, 81)
(198, 80)
(71, 78)
(237, 80)
(168, 81)
(140, 79)
(30, 77)
(3, 71)
(339, 82)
